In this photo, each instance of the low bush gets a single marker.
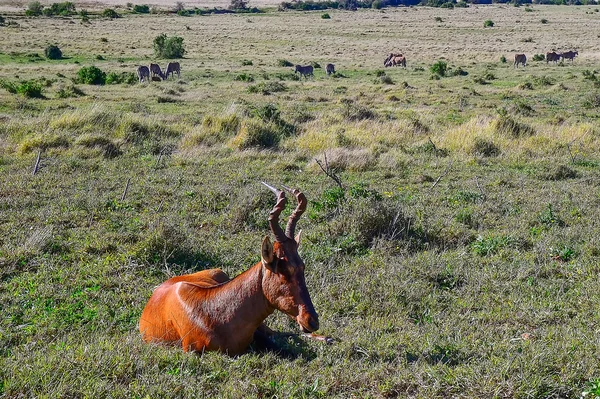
(325, 16)
(244, 77)
(284, 63)
(356, 112)
(123, 77)
(91, 75)
(28, 88)
(110, 13)
(439, 68)
(34, 9)
(506, 126)
(256, 133)
(539, 57)
(246, 62)
(168, 47)
(485, 148)
(69, 91)
(141, 9)
(52, 52)
(488, 23)
(267, 88)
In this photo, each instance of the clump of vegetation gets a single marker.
(544, 20)
(110, 13)
(507, 126)
(488, 23)
(284, 63)
(123, 77)
(244, 77)
(34, 9)
(484, 148)
(69, 91)
(91, 75)
(503, 59)
(385, 79)
(246, 62)
(141, 9)
(238, 5)
(439, 19)
(439, 68)
(559, 172)
(563, 253)
(52, 52)
(267, 88)
(28, 88)
(539, 57)
(256, 133)
(490, 245)
(168, 47)
(355, 112)
(592, 100)
(325, 16)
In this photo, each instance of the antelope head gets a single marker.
(283, 278)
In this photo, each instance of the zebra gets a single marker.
(156, 71)
(569, 55)
(171, 68)
(330, 69)
(305, 71)
(520, 59)
(143, 72)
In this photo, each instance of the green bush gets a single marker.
(91, 75)
(325, 16)
(141, 9)
(284, 63)
(34, 9)
(168, 47)
(544, 21)
(28, 88)
(256, 133)
(53, 53)
(123, 77)
(110, 13)
(539, 57)
(246, 62)
(244, 77)
(488, 23)
(439, 68)
(503, 59)
(70, 91)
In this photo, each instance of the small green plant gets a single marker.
(548, 218)
(84, 16)
(439, 68)
(484, 148)
(490, 245)
(141, 9)
(544, 20)
(91, 75)
(246, 62)
(69, 91)
(325, 16)
(592, 391)
(439, 19)
(168, 47)
(563, 253)
(488, 23)
(52, 52)
(503, 59)
(244, 77)
(28, 88)
(110, 13)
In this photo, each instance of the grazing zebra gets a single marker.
(171, 68)
(143, 72)
(552, 56)
(569, 55)
(330, 68)
(156, 71)
(520, 59)
(305, 71)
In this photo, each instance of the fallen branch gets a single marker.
(443, 174)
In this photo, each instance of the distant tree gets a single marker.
(238, 4)
(168, 47)
(53, 53)
(34, 9)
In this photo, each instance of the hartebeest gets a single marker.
(207, 311)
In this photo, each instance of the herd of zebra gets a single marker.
(155, 73)
(552, 56)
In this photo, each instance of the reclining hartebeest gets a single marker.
(208, 311)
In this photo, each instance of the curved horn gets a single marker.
(300, 208)
(274, 215)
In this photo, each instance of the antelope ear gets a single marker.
(267, 254)
(298, 236)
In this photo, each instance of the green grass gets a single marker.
(459, 257)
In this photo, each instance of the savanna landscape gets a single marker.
(452, 235)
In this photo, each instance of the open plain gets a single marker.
(457, 257)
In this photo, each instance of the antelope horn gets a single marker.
(300, 208)
(274, 215)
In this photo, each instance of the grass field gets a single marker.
(460, 257)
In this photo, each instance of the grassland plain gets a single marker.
(460, 258)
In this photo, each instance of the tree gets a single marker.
(168, 47)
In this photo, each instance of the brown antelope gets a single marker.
(208, 311)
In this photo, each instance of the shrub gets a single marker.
(28, 88)
(256, 133)
(488, 23)
(439, 68)
(141, 9)
(123, 77)
(356, 112)
(386, 80)
(325, 16)
(284, 63)
(69, 91)
(544, 21)
(110, 13)
(168, 47)
(53, 53)
(439, 19)
(246, 62)
(505, 125)
(34, 9)
(484, 246)
(539, 57)
(91, 75)
(503, 59)
(485, 148)
(267, 88)
(559, 172)
(238, 5)
(84, 16)
(244, 77)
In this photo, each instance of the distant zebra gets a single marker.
(569, 55)
(156, 71)
(520, 59)
(552, 57)
(304, 70)
(171, 68)
(143, 72)
(330, 69)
